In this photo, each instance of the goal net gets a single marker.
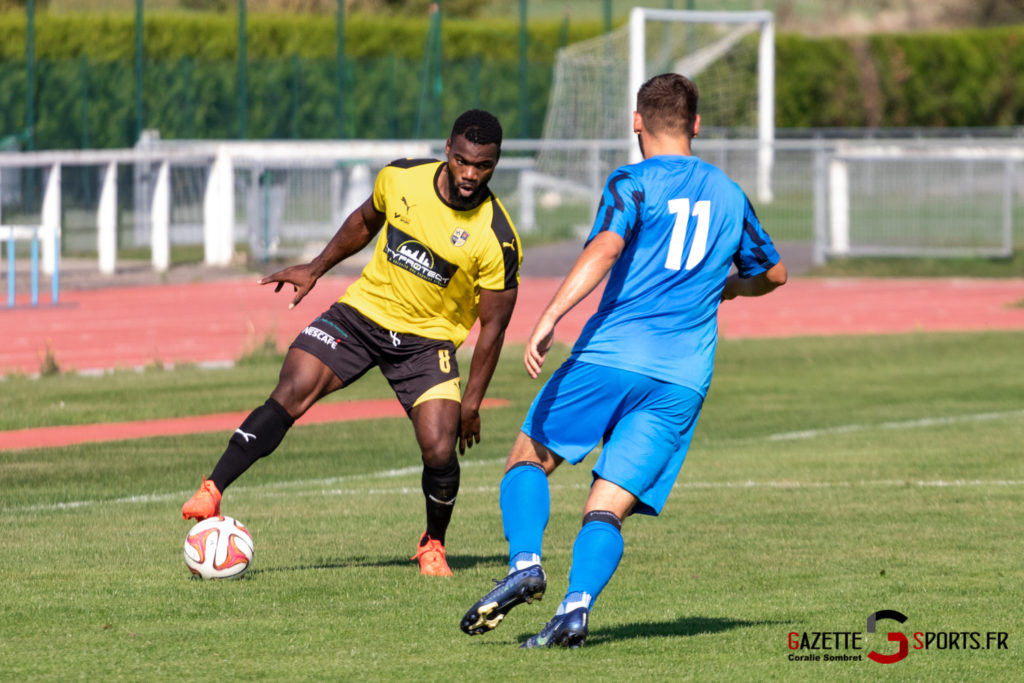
(588, 127)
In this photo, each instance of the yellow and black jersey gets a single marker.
(431, 260)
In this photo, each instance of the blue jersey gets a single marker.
(685, 223)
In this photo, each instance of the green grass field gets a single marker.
(828, 479)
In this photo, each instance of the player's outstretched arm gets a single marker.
(758, 285)
(590, 268)
(495, 312)
(355, 233)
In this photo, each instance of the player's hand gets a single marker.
(469, 429)
(301, 278)
(538, 346)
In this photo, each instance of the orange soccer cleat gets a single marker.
(203, 504)
(431, 555)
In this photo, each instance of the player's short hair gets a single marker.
(668, 104)
(479, 127)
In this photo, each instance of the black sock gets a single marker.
(603, 516)
(258, 436)
(440, 486)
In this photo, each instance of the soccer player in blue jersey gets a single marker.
(667, 233)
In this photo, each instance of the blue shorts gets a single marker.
(646, 426)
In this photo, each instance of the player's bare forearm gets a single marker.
(355, 233)
(590, 268)
(481, 369)
(759, 285)
(495, 313)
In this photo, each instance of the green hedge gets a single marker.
(85, 82)
(109, 37)
(81, 103)
(85, 77)
(968, 78)
(965, 78)
(817, 83)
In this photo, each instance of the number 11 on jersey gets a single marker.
(681, 209)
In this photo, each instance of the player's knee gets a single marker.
(603, 516)
(438, 452)
(442, 483)
(295, 399)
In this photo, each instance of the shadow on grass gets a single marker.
(684, 626)
(461, 562)
(678, 628)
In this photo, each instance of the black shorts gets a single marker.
(349, 343)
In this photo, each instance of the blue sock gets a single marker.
(525, 506)
(595, 557)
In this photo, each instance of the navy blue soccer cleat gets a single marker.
(524, 585)
(564, 630)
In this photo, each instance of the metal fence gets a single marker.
(922, 200)
(205, 201)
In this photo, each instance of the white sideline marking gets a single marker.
(265, 492)
(694, 485)
(920, 483)
(183, 495)
(905, 424)
(416, 469)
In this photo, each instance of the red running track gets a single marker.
(64, 435)
(219, 321)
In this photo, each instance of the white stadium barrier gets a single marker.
(283, 200)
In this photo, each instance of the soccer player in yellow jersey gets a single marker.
(446, 255)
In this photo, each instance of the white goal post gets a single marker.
(764, 20)
(588, 124)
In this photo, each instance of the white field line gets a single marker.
(905, 424)
(692, 485)
(266, 492)
(272, 490)
(261, 490)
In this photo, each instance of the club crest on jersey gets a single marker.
(459, 237)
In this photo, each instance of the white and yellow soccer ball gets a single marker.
(218, 548)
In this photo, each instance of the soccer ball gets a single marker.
(218, 548)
